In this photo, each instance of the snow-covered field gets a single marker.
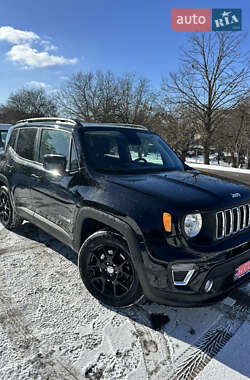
(213, 160)
(52, 328)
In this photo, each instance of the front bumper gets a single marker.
(161, 287)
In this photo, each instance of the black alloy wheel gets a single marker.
(8, 216)
(5, 208)
(110, 271)
(107, 270)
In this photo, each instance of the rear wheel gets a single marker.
(8, 216)
(107, 270)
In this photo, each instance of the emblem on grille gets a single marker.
(235, 195)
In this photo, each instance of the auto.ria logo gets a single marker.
(226, 20)
(206, 19)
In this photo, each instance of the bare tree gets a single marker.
(136, 100)
(104, 97)
(172, 126)
(233, 135)
(213, 76)
(25, 103)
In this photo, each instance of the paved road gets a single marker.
(240, 177)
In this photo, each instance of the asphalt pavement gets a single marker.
(239, 177)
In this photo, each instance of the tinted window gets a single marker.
(54, 142)
(3, 135)
(73, 159)
(26, 143)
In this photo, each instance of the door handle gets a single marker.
(35, 176)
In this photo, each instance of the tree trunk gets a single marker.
(248, 163)
(234, 160)
(207, 138)
(183, 155)
(206, 153)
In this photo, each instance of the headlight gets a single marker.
(192, 224)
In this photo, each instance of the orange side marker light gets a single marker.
(167, 221)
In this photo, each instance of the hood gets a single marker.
(186, 190)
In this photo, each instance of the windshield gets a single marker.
(127, 151)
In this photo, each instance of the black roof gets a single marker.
(72, 123)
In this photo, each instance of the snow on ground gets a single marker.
(52, 328)
(213, 160)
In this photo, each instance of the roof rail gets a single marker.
(75, 122)
(127, 125)
(56, 119)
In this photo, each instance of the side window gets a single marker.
(54, 142)
(12, 140)
(73, 159)
(3, 135)
(26, 143)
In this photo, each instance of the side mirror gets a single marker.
(55, 162)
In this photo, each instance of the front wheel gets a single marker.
(107, 270)
(8, 216)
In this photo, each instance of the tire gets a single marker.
(8, 216)
(107, 270)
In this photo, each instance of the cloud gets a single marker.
(35, 83)
(32, 58)
(48, 46)
(23, 53)
(16, 36)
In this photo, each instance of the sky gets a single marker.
(42, 43)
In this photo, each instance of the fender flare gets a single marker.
(136, 247)
(111, 221)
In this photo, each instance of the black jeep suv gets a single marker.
(142, 221)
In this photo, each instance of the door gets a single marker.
(20, 162)
(53, 194)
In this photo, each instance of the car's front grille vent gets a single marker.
(231, 221)
(180, 275)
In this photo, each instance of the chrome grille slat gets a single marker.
(243, 217)
(231, 221)
(238, 220)
(248, 222)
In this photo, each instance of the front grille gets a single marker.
(231, 221)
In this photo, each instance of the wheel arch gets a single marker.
(90, 220)
(115, 224)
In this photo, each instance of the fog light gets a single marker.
(208, 286)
